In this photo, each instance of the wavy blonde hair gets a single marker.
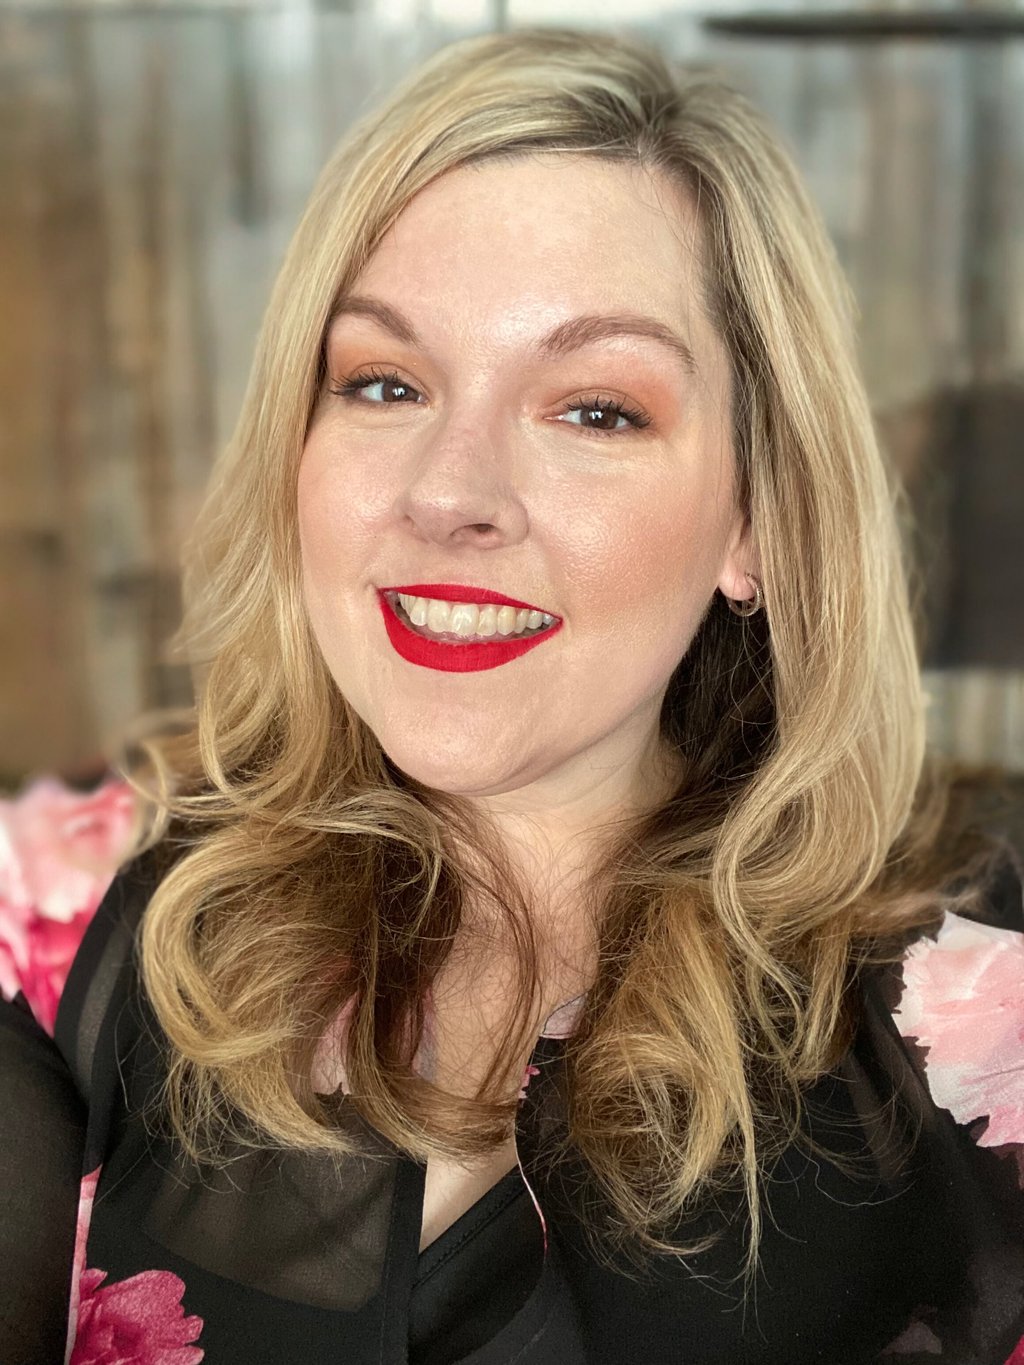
(309, 872)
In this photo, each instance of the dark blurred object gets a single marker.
(846, 26)
(957, 446)
(986, 803)
(960, 454)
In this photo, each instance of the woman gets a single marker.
(519, 923)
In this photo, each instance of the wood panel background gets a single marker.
(154, 159)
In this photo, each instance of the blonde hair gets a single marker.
(310, 872)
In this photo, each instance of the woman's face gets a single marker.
(503, 317)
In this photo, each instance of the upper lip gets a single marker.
(461, 592)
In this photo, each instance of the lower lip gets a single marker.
(468, 658)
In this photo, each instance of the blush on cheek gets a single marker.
(321, 515)
(306, 497)
(315, 577)
(663, 578)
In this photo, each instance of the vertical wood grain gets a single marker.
(155, 158)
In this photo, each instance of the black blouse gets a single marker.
(909, 1250)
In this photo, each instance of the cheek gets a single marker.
(327, 510)
(341, 495)
(325, 543)
(312, 494)
(653, 566)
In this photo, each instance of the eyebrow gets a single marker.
(567, 337)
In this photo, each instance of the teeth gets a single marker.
(463, 619)
(438, 614)
(466, 619)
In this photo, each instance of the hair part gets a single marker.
(311, 873)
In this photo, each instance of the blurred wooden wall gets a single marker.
(154, 160)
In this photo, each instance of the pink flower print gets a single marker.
(49, 947)
(1018, 1354)
(86, 1199)
(963, 1000)
(138, 1321)
(528, 1075)
(61, 845)
(59, 850)
(133, 1322)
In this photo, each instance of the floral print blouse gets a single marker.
(906, 1250)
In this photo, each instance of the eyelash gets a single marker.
(638, 419)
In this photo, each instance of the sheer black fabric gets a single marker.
(908, 1249)
(42, 1123)
(459, 1302)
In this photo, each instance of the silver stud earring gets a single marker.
(748, 606)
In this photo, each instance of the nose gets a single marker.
(461, 489)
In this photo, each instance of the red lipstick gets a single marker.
(462, 657)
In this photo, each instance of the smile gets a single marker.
(440, 619)
(423, 631)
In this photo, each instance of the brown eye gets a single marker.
(604, 419)
(602, 415)
(392, 388)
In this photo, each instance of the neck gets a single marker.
(554, 861)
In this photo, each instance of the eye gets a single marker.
(602, 416)
(393, 389)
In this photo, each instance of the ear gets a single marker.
(741, 558)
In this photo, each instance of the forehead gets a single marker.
(545, 231)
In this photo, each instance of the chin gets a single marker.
(444, 772)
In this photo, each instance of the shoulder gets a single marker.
(93, 1028)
